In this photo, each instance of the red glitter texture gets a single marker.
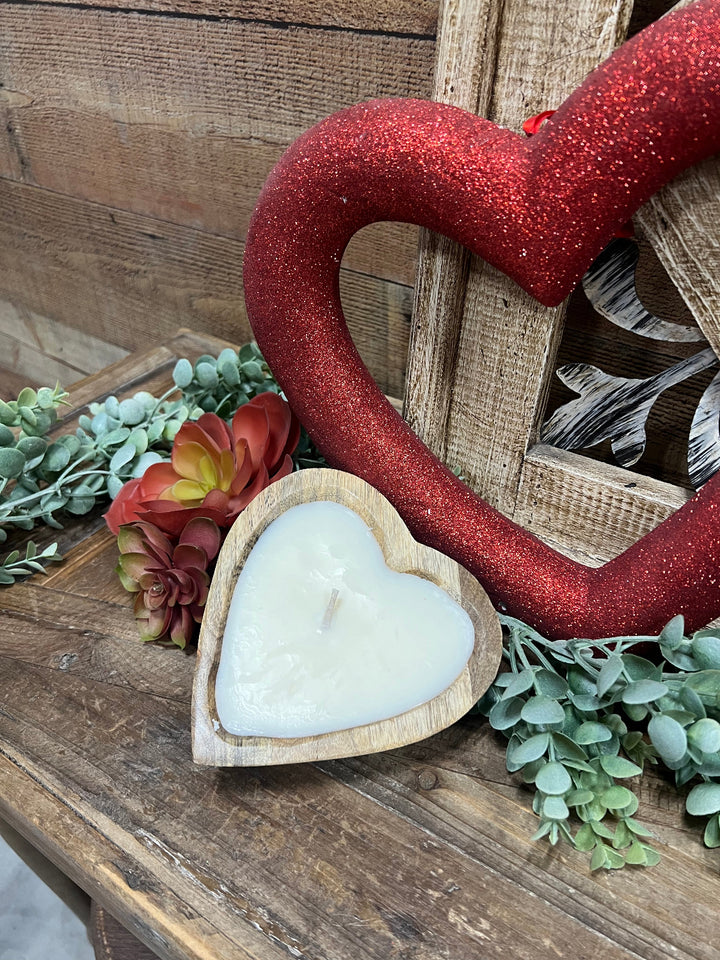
(540, 210)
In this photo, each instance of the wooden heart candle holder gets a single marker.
(212, 744)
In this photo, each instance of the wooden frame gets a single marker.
(472, 326)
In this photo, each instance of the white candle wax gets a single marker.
(321, 635)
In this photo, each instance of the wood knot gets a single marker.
(427, 780)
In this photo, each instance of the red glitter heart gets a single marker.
(541, 210)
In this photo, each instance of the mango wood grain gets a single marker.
(419, 852)
(401, 16)
(216, 746)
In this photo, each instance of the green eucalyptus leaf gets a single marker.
(707, 686)
(12, 463)
(585, 839)
(636, 711)
(637, 828)
(680, 658)
(577, 798)
(7, 437)
(139, 439)
(643, 691)
(619, 767)
(528, 750)
(622, 837)
(580, 683)
(56, 458)
(552, 778)
(567, 749)
(542, 710)
(609, 674)
(122, 456)
(692, 702)
(585, 702)
(592, 732)
(599, 859)
(520, 683)
(703, 799)
(114, 485)
(253, 371)
(668, 737)
(712, 832)
(8, 413)
(550, 684)
(673, 633)
(27, 398)
(638, 668)
(706, 652)
(617, 798)
(228, 370)
(555, 808)
(529, 771)
(131, 411)
(183, 373)
(505, 713)
(112, 407)
(636, 855)
(543, 831)
(206, 374)
(33, 449)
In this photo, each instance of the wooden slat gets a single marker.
(681, 222)
(506, 339)
(396, 16)
(47, 350)
(130, 281)
(182, 119)
(466, 49)
(591, 511)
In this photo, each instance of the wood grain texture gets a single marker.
(464, 66)
(182, 119)
(505, 338)
(211, 744)
(681, 223)
(587, 509)
(129, 281)
(419, 852)
(389, 16)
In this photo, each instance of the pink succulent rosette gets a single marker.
(170, 580)
(215, 470)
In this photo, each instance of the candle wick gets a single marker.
(330, 610)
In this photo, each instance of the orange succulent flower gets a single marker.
(215, 469)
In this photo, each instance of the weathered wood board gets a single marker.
(134, 143)
(420, 852)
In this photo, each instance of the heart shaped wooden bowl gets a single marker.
(213, 745)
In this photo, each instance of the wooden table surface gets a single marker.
(423, 852)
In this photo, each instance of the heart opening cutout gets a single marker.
(212, 744)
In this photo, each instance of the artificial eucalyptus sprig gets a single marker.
(564, 705)
(40, 479)
(16, 564)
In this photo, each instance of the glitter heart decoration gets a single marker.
(541, 210)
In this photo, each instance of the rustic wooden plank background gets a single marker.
(133, 146)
